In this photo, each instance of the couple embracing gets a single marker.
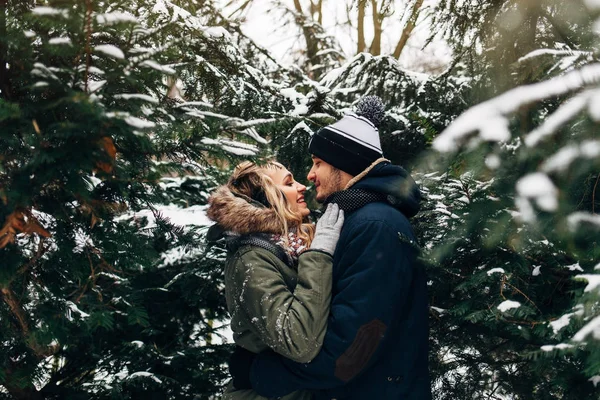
(332, 311)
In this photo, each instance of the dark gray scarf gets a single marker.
(352, 199)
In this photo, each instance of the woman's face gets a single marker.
(294, 191)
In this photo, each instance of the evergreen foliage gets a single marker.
(514, 258)
(116, 121)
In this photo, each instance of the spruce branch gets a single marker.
(9, 297)
(594, 195)
(4, 84)
(88, 38)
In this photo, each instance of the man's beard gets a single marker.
(333, 184)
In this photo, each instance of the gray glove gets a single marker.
(328, 229)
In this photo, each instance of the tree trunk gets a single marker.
(311, 45)
(316, 11)
(362, 44)
(375, 47)
(407, 31)
(320, 12)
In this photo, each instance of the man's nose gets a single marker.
(311, 175)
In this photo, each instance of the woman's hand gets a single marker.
(328, 229)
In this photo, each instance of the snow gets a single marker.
(131, 120)
(29, 33)
(593, 281)
(595, 379)
(154, 65)
(536, 270)
(495, 270)
(145, 375)
(489, 118)
(561, 160)
(116, 278)
(194, 103)
(41, 70)
(91, 69)
(82, 240)
(253, 133)
(560, 346)
(94, 86)
(139, 123)
(138, 96)
(189, 216)
(298, 100)
(179, 255)
(238, 151)
(60, 40)
(577, 218)
(440, 311)
(50, 11)
(110, 50)
(553, 52)
(492, 161)
(574, 267)
(74, 309)
(508, 304)
(593, 328)
(562, 115)
(593, 107)
(563, 321)
(217, 31)
(115, 17)
(237, 148)
(539, 187)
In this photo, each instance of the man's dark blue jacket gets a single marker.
(376, 344)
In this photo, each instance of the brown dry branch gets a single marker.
(11, 300)
(20, 221)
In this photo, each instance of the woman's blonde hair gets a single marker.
(251, 180)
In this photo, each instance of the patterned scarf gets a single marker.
(294, 247)
(352, 199)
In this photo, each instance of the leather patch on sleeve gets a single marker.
(356, 357)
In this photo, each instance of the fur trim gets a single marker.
(234, 213)
(365, 172)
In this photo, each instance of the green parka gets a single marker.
(272, 304)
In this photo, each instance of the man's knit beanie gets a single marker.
(352, 143)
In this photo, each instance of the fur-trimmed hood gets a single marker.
(240, 214)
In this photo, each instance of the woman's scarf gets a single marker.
(294, 246)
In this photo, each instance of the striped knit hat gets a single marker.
(352, 143)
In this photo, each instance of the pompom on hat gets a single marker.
(351, 144)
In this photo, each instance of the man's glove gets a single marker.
(240, 363)
(328, 229)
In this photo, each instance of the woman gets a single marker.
(278, 270)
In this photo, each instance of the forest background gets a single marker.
(118, 118)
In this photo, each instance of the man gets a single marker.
(376, 345)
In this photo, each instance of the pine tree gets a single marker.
(513, 254)
(116, 121)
